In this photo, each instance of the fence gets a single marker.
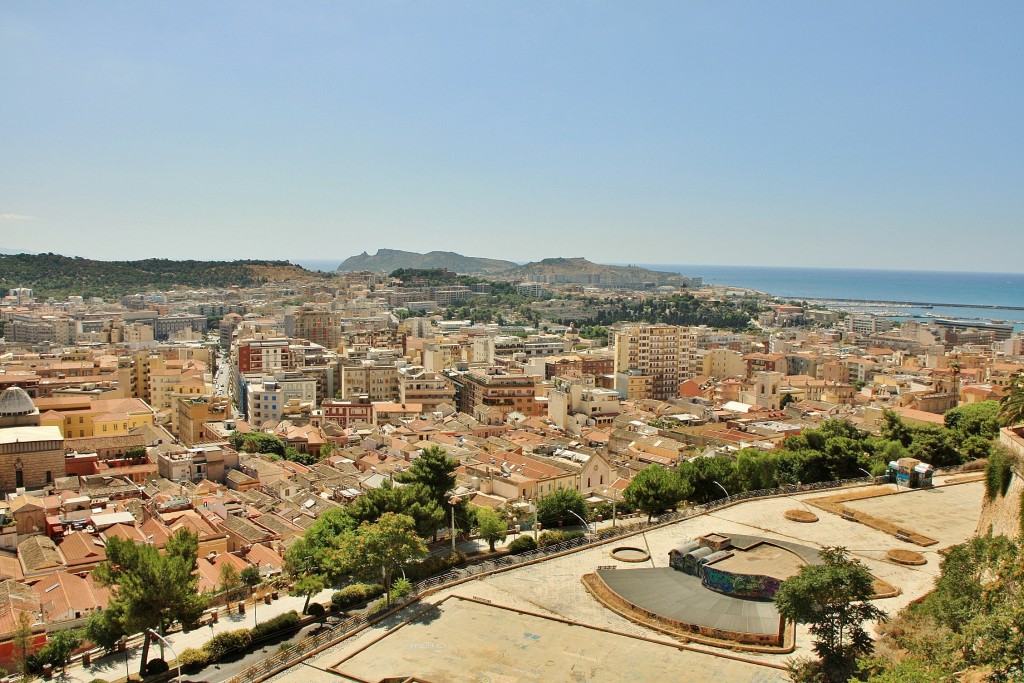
(304, 647)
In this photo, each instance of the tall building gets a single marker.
(651, 360)
(318, 324)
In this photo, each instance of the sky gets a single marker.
(836, 134)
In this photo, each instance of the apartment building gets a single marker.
(426, 387)
(652, 360)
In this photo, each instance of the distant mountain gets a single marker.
(581, 271)
(389, 260)
(57, 276)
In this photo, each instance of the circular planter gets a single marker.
(908, 557)
(805, 516)
(630, 554)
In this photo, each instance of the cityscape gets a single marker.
(493, 342)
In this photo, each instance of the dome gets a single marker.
(14, 402)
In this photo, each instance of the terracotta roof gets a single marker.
(38, 553)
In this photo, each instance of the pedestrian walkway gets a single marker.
(113, 667)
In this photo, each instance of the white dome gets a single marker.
(15, 402)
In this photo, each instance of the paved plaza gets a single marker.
(553, 588)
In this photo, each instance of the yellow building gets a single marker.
(79, 417)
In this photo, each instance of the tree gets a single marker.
(491, 526)
(833, 598)
(250, 577)
(381, 548)
(153, 590)
(307, 585)
(1011, 406)
(415, 500)
(22, 641)
(654, 489)
(58, 648)
(562, 505)
(230, 581)
(105, 627)
(434, 470)
(974, 419)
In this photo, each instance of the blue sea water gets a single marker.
(932, 287)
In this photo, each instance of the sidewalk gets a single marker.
(112, 667)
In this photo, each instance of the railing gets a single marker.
(302, 648)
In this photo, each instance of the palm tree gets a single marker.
(1011, 406)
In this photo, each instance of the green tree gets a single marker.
(491, 526)
(833, 599)
(307, 585)
(415, 500)
(381, 548)
(654, 489)
(894, 429)
(153, 590)
(230, 581)
(1011, 406)
(434, 470)
(22, 641)
(58, 648)
(104, 628)
(250, 577)
(974, 419)
(562, 505)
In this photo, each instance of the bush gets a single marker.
(400, 588)
(435, 564)
(523, 544)
(282, 623)
(315, 609)
(156, 666)
(550, 538)
(229, 642)
(193, 659)
(355, 594)
(98, 680)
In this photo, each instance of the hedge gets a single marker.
(282, 623)
(229, 642)
(355, 594)
(548, 538)
(523, 544)
(435, 564)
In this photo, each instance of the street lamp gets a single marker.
(165, 642)
(586, 525)
(721, 487)
(866, 472)
(124, 648)
(453, 501)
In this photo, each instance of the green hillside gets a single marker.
(58, 276)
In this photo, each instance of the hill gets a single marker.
(58, 276)
(581, 271)
(390, 260)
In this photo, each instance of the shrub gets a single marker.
(193, 659)
(315, 609)
(400, 588)
(98, 680)
(224, 644)
(282, 623)
(549, 538)
(435, 564)
(355, 594)
(156, 666)
(523, 544)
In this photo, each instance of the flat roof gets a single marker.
(763, 559)
(31, 433)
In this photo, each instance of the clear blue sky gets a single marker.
(860, 134)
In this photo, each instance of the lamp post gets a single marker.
(453, 501)
(165, 642)
(721, 487)
(124, 647)
(586, 525)
(866, 472)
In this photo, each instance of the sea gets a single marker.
(900, 294)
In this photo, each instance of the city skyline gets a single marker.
(868, 136)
